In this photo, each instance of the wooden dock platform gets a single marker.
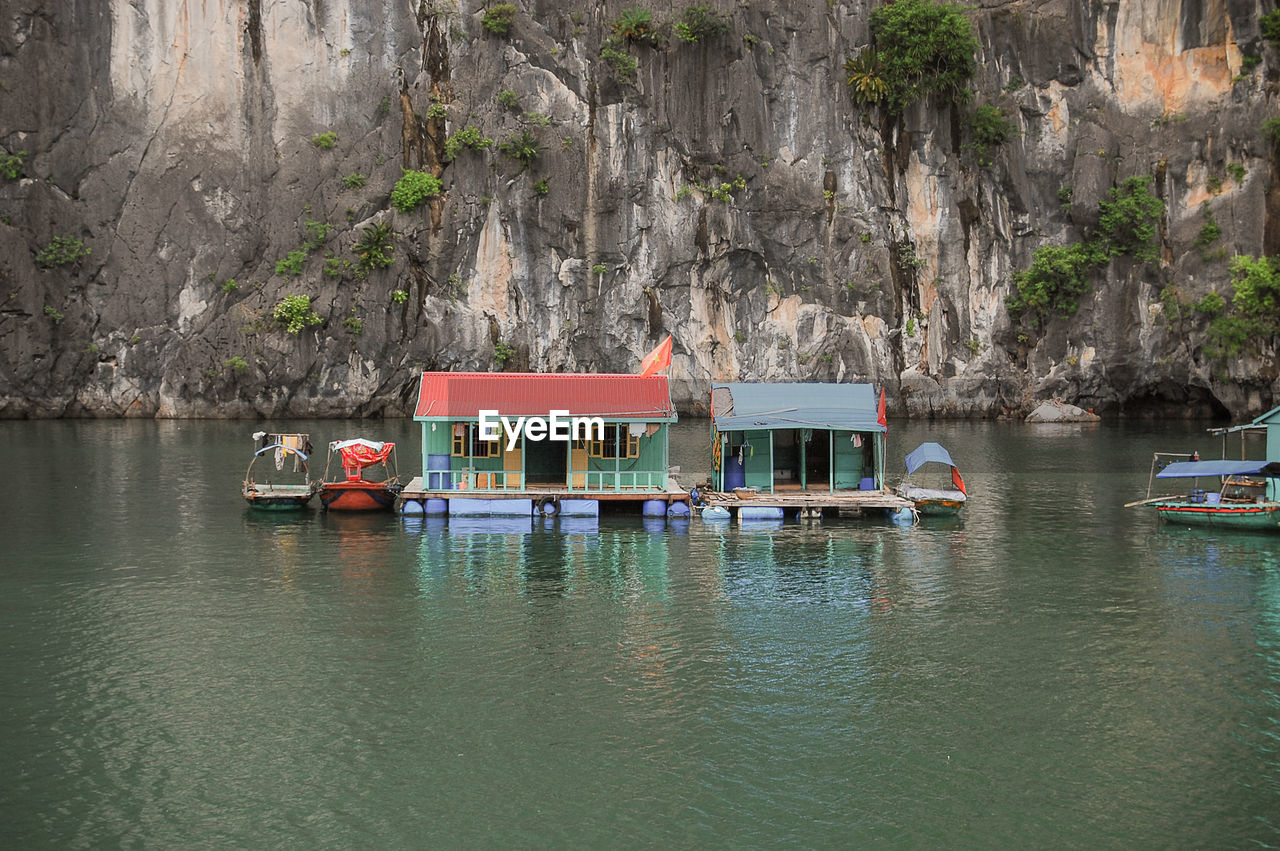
(812, 503)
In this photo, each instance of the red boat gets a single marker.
(355, 492)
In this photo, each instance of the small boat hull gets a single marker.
(358, 496)
(938, 507)
(278, 497)
(931, 502)
(1263, 516)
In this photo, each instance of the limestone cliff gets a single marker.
(184, 143)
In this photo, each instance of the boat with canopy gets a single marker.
(933, 495)
(365, 478)
(1235, 495)
(281, 492)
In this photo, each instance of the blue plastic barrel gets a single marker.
(655, 508)
(734, 474)
(439, 479)
(437, 506)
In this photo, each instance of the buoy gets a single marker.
(548, 507)
(715, 513)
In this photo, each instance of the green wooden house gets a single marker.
(797, 437)
(1268, 425)
(628, 452)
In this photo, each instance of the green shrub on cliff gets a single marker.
(866, 77)
(413, 190)
(1055, 280)
(924, 48)
(468, 137)
(11, 164)
(1269, 26)
(1128, 222)
(1130, 219)
(497, 18)
(990, 126)
(636, 26)
(1271, 128)
(294, 313)
(699, 22)
(373, 248)
(62, 251)
(523, 148)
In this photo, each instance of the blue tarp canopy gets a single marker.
(749, 406)
(1192, 469)
(926, 452)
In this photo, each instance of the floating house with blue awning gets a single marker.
(1267, 424)
(809, 437)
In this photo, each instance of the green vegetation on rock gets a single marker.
(61, 251)
(697, 23)
(468, 137)
(523, 148)
(1128, 223)
(498, 17)
(413, 189)
(373, 248)
(921, 48)
(294, 313)
(636, 26)
(11, 164)
(1130, 219)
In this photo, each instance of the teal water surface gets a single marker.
(1050, 670)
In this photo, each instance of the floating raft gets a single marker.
(842, 503)
(549, 501)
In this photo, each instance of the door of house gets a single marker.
(544, 462)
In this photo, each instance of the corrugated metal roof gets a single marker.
(462, 395)
(774, 406)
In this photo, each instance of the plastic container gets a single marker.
(437, 472)
(655, 508)
(735, 476)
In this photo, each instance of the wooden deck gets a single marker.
(812, 503)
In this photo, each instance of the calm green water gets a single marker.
(1052, 670)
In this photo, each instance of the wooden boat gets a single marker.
(284, 494)
(1238, 498)
(933, 501)
(355, 492)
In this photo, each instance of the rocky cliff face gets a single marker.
(728, 192)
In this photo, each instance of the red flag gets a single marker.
(658, 359)
(957, 481)
(880, 414)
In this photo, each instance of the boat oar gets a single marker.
(1145, 501)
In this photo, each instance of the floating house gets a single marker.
(802, 438)
(547, 439)
(1268, 425)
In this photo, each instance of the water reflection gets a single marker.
(1047, 666)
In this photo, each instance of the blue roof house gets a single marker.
(796, 437)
